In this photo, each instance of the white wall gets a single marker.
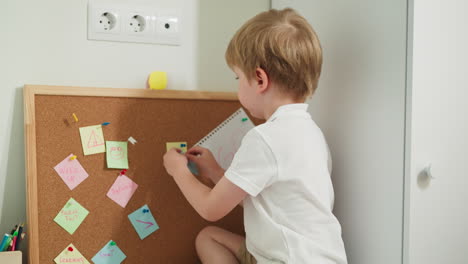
(218, 22)
(360, 106)
(438, 212)
(45, 42)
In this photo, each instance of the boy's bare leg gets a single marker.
(216, 245)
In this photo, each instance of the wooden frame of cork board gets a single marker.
(152, 118)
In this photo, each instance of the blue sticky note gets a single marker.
(193, 168)
(109, 254)
(143, 221)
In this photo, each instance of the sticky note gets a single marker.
(122, 190)
(71, 172)
(192, 167)
(143, 221)
(71, 216)
(157, 80)
(109, 254)
(117, 154)
(92, 139)
(71, 255)
(179, 145)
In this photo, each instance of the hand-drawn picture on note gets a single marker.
(225, 139)
(92, 139)
(116, 154)
(143, 221)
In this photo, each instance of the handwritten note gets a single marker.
(71, 255)
(71, 172)
(92, 139)
(122, 190)
(143, 221)
(71, 216)
(117, 154)
(178, 145)
(109, 254)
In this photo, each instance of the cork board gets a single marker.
(152, 118)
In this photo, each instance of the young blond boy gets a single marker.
(281, 171)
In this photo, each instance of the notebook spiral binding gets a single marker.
(219, 127)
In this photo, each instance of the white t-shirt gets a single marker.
(283, 165)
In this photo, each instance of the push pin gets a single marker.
(112, 243)
(105, 123)
(73, 157)
(244, 119)
(75, 117)
(132, 140)
(123, 172)
(145, 211)
(70, 249)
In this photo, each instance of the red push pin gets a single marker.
(70, 249)
(123, 172)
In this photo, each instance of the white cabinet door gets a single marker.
(437, 210)
(360, 106)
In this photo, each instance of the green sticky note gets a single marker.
(92, 139)
(178, 145)
(116, 153)
(71, 216)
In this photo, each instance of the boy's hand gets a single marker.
(206, 163)
(175, 163)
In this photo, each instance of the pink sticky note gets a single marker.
(71, 172)
(122, 190)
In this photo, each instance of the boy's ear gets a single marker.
(262, 80)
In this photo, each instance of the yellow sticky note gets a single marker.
(157, 80)
(71, 255)
(92, 139)
(179, 145)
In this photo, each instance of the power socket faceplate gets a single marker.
(168, 27)
(114, 20)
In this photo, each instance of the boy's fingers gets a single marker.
(192, 157)
(175, 149)
(197, 150)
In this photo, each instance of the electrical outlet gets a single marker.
(103, 21)
(107, 22)
(139, 22)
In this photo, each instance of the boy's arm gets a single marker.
(207, 164)
(211, 204)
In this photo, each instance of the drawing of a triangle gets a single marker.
(94, 140)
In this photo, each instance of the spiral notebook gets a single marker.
(225, 139)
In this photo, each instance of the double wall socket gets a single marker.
(133, 22)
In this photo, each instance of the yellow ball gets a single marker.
(157, 80)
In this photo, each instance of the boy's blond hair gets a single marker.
(284, 45)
